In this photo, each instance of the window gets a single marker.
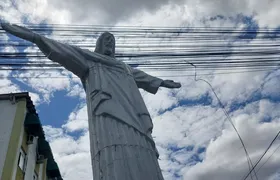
(35, 176)
(22, 160)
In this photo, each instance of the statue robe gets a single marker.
(119, 122)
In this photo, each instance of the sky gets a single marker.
(193, 137)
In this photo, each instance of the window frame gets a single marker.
(35, 175)
(22, 155)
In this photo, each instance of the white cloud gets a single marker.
(35, 98)
(78, 120)
(6, 85)
(52, 133)
(185, 126)
(80, 166)
(76, 90)
(239, 86)
(34, 10)
(191, 13)
(9, 49)
(175, 13)
(72, 155)
(159, 102)
(4, 37)
(44, 82)
(272, 80)
(225, 157)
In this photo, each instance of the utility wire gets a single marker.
(165, 44)
(230, 120)
(179, 75)
(253, 169)
(65, 27)
(268, 158)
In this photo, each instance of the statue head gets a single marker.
(105, 44)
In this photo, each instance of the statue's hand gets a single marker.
(170, 84)
(19, 31)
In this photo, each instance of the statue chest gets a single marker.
(101, 69)
(101, 76)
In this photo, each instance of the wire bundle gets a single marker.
(158, 48)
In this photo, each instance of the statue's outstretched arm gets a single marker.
(150, 83)
(19, 31)
(66, 55)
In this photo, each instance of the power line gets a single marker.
(179, 75)
(262, 53)
(262, 155)
(268, 158)
(155, 69)
(230, 120)
(141, 28)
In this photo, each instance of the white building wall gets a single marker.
(18, 147)
(7, 115)
(41, 171)
(17, 154)
(31, 159)
(40, 174)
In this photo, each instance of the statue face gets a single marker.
(109, 44)
(106, 44)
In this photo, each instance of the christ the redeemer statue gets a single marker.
(120, 125)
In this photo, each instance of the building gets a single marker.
(24, 152)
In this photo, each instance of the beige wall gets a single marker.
(10, 164)
(7, 116)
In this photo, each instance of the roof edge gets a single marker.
(29, 103)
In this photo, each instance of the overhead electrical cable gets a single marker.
(276, 149)
(253, 169)
(250, 164)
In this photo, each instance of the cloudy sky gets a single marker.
(194, 139)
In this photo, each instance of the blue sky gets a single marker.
(194, 139)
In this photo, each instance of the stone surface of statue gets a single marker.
(120, 125)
